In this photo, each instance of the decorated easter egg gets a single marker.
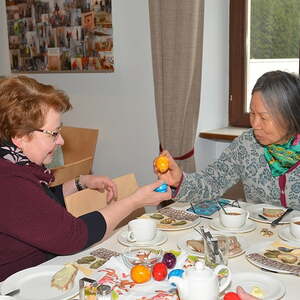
(162, 163)
(231, 296)
(169, 259)
(159, 271)
(162, 188)
(177, 273)
(140, 273)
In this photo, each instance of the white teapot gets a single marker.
(201, 282)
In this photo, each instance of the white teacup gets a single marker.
(295, 227)
(235, 217)
(141, 230)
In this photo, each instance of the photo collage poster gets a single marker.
(60, 35)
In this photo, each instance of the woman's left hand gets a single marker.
(102, 184)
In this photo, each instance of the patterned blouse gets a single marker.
(243, 160)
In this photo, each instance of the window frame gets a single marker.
(238, 63)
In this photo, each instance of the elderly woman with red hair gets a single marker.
(34, 224)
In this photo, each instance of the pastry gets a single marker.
(287, 258)
(196, 245)
(64, 278)
(272, 212)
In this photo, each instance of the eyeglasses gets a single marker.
(53, 134)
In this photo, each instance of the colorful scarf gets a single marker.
(281, 158)
(11, 152)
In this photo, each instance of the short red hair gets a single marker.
(24, 103)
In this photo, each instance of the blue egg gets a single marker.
(162, 189)
(177, 273)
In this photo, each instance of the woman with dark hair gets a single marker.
(265, 158)
(34, 224)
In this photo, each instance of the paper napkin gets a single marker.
(115, 274)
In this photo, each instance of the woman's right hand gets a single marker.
(173, 175)
(146, 195)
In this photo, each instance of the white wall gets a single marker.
(215, 80)
(121, 104)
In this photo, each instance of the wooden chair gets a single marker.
(236, 192)
(78, 152)
(88, 200)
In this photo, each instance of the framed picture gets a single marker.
(60, 35)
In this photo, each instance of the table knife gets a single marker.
(275, 222)
(12, 293)
(263, 217)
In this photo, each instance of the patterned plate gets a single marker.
(256, 256)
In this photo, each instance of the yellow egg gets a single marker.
(162, 163)
(140, 273)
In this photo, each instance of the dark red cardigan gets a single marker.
(34, 224)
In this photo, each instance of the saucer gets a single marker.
(159, 239)
(248, 226)
(285, 234)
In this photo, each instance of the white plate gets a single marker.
(159, 239)
(285, 234)
(169, 227)
(273, 289)
(196, 236)
(256, 209)
(259, 248)
(35, 284)
(216, 224)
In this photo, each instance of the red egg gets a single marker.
(159, 271)
(231, 296)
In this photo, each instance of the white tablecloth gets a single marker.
(236, 264)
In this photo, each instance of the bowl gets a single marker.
(142, 256)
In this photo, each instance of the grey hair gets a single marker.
(281, 94)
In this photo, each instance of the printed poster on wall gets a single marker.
(60, 35)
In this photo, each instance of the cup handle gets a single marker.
(225, 284)
(247, 215)
(130, 236)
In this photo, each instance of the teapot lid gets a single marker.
(200, 270)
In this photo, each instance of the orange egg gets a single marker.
(140, 274)
(162, 163)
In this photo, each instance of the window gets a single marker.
(264, 36)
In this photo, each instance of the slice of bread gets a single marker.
(272, 212)
(197, 245)
(64, 278)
